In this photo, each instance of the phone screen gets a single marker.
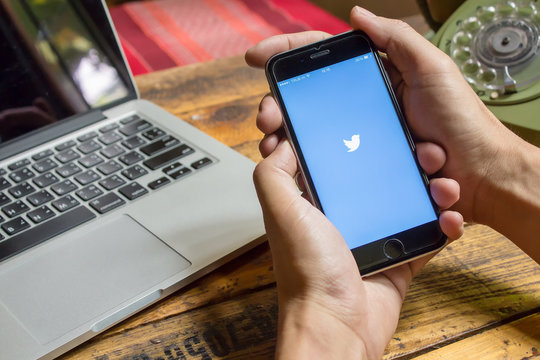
(356, 152)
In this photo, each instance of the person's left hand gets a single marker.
(325, 308)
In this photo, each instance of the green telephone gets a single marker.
(496, 44)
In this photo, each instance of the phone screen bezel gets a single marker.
(370, 257)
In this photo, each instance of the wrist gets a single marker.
(508, 199)
(308, 331)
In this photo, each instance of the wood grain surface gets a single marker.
(477, 299)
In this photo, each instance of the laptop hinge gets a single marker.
(54, 131)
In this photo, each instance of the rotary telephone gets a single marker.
(496, 45)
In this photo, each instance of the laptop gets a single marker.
(107, 202)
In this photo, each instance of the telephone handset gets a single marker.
(496, 45)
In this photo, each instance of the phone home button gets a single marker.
(393, 248)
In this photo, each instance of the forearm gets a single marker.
(509, 199)
(306, 332)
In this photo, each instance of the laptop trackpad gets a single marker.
(83, 276)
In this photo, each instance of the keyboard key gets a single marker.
(133, 142)
(16, 225)
(21, 175)
(109, 167)
(108, 128)
(131, 158)
(39, 198)
(168, 157)
(14, 209)
(45, 180)
(88, 147)
(177, 174)
(107, 203)
(40, 214)
(134, 172)
(134, 127)
(201, 163)
(132, 191)
(3, 171)
(86, 177)
(4, 199)
(109, 138)
(65, 203)
(159, 145)
(4, 183)
(89, 192)
(112, 151)
(45, 231)
(87, 136)
(44, 165)
(64, 187)
(156, 184)
(68, 170)
(171, 168)
(21, 190)
(42, 155)
(18, 164)
(90, 160)
(67, 156)
(130, 119)
(112, 182)
(65, 145)
(153, 134)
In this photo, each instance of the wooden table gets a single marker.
(479, 298)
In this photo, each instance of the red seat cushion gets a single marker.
(160, 34)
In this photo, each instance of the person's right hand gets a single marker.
(439, 105)
(442, 108)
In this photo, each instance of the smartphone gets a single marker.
(355, 153)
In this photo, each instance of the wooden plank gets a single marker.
(474, 283)
(201, 85)
(519, 339)
(244, 328)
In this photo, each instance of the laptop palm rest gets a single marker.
(80, 277)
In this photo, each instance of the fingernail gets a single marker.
(361, 11)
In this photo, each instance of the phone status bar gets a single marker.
(323, 70)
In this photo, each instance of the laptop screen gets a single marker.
(59, 58)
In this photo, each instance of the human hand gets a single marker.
(439, 105)
(326, 309)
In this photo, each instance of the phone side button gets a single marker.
(393, 249)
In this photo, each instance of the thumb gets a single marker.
(274, 179)
(408, 51)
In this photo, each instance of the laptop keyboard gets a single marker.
(60, 188)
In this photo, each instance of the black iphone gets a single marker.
(355, 152)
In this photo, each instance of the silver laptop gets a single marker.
(107, 202)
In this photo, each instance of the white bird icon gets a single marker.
(353, 143)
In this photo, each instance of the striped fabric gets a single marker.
(160, 34)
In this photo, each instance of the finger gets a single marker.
(452, 224)
(301, 184)
(273, 178)
(260, 53)
(269, 117)
(445, 192)
(394, 75)
(405, 47)
(268, 144)
(431, 157)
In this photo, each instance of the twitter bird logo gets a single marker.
(353, 143)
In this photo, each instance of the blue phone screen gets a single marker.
(355, 150)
